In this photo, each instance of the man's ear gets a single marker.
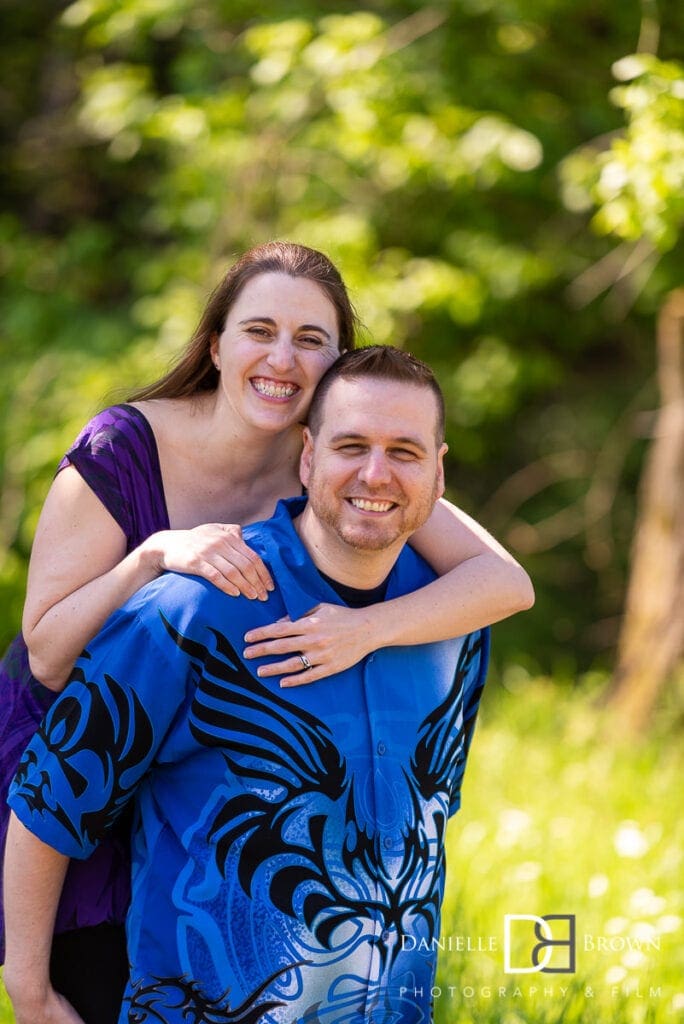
(305, 459)
(441, 485)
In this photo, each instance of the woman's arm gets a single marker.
(479, 583)
(34, 874)
(80, 572)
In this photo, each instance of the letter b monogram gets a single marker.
(541, 954)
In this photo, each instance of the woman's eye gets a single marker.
(311, 341)
(258, 332)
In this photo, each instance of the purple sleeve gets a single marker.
(116, 454)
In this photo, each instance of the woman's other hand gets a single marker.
(330, 637)
(47, 1007)
(217, 552)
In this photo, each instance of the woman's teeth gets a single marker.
(273, 390)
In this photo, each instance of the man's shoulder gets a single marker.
(410, 572)
(180, 599)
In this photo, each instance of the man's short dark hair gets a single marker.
(377, 362)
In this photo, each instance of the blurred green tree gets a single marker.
(637, 185)
(147, 141)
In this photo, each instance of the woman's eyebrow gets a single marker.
(271, 322)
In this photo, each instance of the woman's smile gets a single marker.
(280, 390)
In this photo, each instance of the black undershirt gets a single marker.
(354, 596)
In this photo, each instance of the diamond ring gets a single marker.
(305, 661)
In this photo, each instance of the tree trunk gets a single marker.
(651, 642)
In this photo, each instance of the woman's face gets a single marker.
(279, 338)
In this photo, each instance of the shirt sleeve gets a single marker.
(116, 455)
(476, 662)
(100, 738)
(475, 681)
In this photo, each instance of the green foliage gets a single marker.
(637, 183)
(148, 141)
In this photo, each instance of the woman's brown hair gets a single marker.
(194, 370)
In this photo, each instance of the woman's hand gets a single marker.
(331, 637)
(47, 1008)
(215, 551)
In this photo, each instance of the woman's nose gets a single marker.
(281, 355)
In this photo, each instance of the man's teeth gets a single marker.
(371, 506)
(273, 390)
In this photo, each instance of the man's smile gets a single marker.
(372, 504)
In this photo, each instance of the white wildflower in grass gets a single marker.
(598, 885)
(616, 925)
(614, 975)
(645, 901)
(529, 871)
(472, 834)
(668, 923)
(513, 823)
(629, 840)
(644, 931)
(634, 958)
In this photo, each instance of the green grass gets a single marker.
(560, 816)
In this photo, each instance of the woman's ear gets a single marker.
(214, 352)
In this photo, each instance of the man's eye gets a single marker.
(403, 453)
(350, 449)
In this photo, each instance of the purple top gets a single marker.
(116, 454)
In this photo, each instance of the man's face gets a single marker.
(374, 469)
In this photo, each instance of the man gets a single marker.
(288, 853)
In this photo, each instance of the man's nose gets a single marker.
(281, 354)
(376, 469)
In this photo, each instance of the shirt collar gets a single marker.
(300, 584)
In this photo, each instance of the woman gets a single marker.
(149, 486)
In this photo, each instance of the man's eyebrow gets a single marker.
(347, 436)
(271, 322)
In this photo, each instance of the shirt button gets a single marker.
(387, 842)
(385, 936)
(381, 748)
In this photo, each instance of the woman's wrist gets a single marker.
(377, 628)
(149, 557)
(27, 985)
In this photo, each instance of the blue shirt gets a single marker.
(288, 846)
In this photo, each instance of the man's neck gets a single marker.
(354, 567)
